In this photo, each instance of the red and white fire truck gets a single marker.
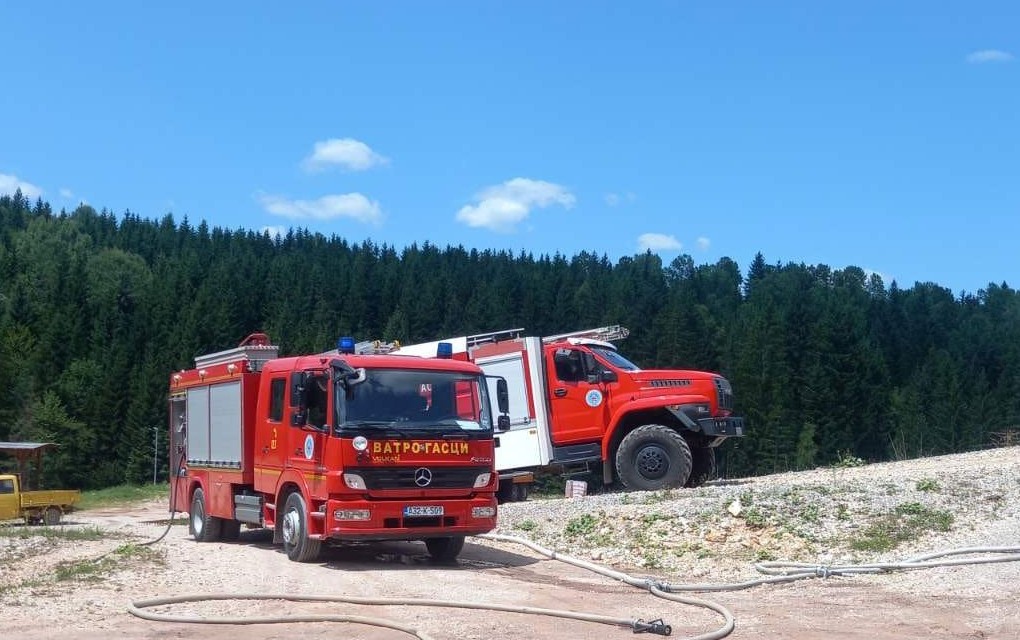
(575, 400)
(339, 446)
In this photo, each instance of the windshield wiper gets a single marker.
(376, 425)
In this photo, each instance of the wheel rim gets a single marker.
(197, 517)
(291, 527)
(652, 462)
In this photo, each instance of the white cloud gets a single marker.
(345, 205)
(704, 243)
(346, 153)
(501, 207)
(66, 193)
(658, 242)
(274, 231)
(614, 199)
(9, 184)
(989, 55)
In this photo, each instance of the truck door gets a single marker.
(578, 406)
(307, 409)
(9, 507)
(271, 433)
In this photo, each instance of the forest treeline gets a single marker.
(96, 311)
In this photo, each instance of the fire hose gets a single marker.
(775, 572)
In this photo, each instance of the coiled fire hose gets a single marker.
(776, 572)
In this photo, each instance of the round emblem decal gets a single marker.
(309, 446)
(593, 398)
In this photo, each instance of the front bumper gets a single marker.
(387, 521)
(729, 426)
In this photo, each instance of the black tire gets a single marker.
(445, 549)
(204, 527)
(231, 529)
(702, 466)
(505, 492)
(653, 457)
(297, 544)
(51, 517)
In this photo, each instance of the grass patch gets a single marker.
(122, 494)
(906, 522)
(95, 569)
(526, 525)
(52, 533)
(928, 484)
(581, 526)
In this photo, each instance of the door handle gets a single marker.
(560, 393)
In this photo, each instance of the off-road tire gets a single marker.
(445, 549)
(230, 530)
(204, 527)
(297, 544)
(702, 466)
(653, 457)
(51, 517)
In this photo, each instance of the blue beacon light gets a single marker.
(444, 350)
(345, 345)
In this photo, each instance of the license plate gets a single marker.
(422, 511)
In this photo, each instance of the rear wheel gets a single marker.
(297, 544)
(702, 467)
(204, 527)
(653, 457)
(52, 516)
(231, 529)
(445, 549)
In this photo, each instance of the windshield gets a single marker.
(418, 400)
(615, 359)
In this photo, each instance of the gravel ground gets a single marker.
(823, 516)
(52, 586)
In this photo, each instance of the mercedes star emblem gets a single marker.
(422, 477)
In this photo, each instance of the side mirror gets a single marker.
(503, 423)
(503, 398)
(608, 375)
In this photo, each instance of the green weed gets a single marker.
(906, 522)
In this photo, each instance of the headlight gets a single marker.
(483, 480)
(360, 443)
(483, 512)
(354, 481)
(352, 514)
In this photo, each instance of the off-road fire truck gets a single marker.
(575, 400)
(340, 446)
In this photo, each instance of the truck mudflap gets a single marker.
(729, 426)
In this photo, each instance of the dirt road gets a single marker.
(876, 607)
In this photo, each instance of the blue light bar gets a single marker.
(345, 345)
(444, 350)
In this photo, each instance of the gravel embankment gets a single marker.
(871, 513)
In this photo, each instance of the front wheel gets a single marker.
(445, 549)
(653, 457)
(204, 527)
(297, 544)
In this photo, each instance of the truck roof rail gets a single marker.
(494, 336)
(606, 334)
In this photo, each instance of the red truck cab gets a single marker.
(334, 447)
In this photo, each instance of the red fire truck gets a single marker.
(339, 446)
(575, 400)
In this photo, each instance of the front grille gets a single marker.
(725, 391)
(670, 383)
(403, 477)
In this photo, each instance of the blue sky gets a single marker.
(876, 134)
